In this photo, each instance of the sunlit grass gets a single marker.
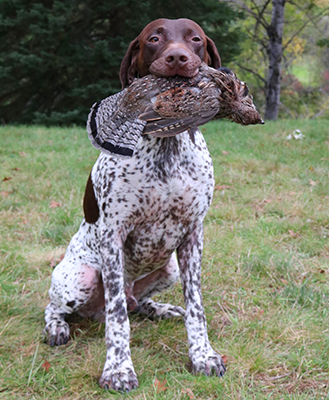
(306, 70)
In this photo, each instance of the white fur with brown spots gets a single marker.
(151, 206)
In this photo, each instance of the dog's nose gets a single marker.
(176, 58)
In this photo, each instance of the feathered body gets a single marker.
(163, 107)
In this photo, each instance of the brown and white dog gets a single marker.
(141, 212)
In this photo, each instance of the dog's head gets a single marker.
(166, 48)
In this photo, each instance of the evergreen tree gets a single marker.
(57, 57)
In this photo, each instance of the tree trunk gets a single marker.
(274, 32)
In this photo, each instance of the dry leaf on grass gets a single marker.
(189, 393)
(4, 193)
(46, 366)
(225, 359)
(54, 261)
(160, 386)
(222, 187)
(6, 178)
(293, 234)
(225, 152)
(54, 204)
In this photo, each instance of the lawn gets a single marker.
(265, 270)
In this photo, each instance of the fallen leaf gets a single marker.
(284, 281)
(54, 261)
(16, 169)
(225, 152)
(4, 193)
(293, 234)
(54, 204)
(46, 366)
(222, 187)
(189, 392)
(160, 386)
(312, 183)
(22, 153)
(6, 178)
(267, 201)
(225, 359)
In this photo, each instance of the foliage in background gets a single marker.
(57, 57)
(304, 22)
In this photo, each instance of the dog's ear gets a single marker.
(128, 69)
(213, 58)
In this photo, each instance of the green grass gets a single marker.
(307, 71)
(265, 270)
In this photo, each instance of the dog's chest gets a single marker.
(156, 196)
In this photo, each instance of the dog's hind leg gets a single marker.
(155, 283)
(75, 287)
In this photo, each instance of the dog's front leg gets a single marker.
(118, 372)
(204, 359)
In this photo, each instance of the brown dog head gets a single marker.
(166, 48)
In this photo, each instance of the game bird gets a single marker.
(167, 106)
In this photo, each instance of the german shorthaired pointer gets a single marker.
(140, 212)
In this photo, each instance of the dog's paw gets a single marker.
(209, 364)
(57, 333)
(172, 312)
(119, 381)
(160, 310)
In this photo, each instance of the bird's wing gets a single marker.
(111, 130)
(158, 126)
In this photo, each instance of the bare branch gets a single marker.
(258, 18)
(261, 13)
(257, 39)
(302, 9)
(265, 6)
(252, 72)
(310, 20)
(242, 5)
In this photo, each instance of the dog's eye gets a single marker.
(196, 39)
(154, 39)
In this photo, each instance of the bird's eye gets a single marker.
(154, 39)
(196, 39)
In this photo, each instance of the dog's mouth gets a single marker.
(188, 70)
(175, 72)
